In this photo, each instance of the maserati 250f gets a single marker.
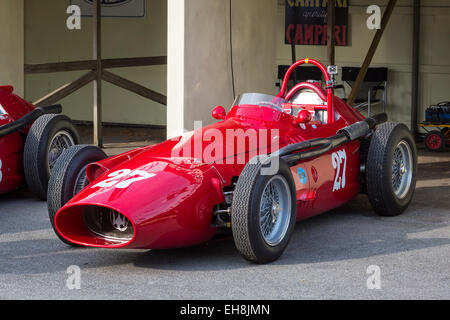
(313, 153)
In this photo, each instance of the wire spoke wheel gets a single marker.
(81, 181)
(264, 210)
(61, 141)
(402, 169)
(275, 210)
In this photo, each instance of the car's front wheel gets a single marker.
(263, 210)
(69, 178)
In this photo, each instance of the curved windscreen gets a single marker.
(259, 99)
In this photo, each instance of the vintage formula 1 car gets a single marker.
(31, 140)
(269, 162)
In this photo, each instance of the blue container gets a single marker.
(439, 113)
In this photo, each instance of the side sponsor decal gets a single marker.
(302, 175)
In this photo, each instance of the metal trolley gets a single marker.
(437, 137)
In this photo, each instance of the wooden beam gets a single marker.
(65, 90)
(373, 47)
(331, 36)
(97, 46)
(134, 62)
(134, 87)
(92, 64)
(415, 68)
(60, 66)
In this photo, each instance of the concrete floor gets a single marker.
(327, 257)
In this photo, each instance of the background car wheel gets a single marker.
(68, 178)
(263, 211)
(435, 141)
(48, 137)
(391, 169)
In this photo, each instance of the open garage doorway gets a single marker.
(139, 37)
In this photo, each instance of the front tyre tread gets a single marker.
(245, 225)
(64, 175)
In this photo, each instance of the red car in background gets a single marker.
(269, 162)
(31, 140)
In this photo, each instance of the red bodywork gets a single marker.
(174, 207)
(12, 108)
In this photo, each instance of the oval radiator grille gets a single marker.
(108, 224)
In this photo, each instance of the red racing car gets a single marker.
(31, 140)
(269, 162)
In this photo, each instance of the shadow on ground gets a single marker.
(350, 232)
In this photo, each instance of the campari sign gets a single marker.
(306, 22)
(113, 8)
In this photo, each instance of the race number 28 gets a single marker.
(339, 160)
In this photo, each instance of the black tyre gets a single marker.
(48, 137)
(391, 169)
(263, 211)
(435, 141)
(69, 177)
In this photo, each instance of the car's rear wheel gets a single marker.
(391, 169)
(47, 139)
(263, 211)
(69, 178)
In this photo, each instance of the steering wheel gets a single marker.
(329, 97)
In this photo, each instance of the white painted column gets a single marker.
(175, 67)
(12, 44)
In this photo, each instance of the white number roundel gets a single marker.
(339, 160)
(132, 177)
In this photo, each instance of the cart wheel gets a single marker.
(263, 211)
(435, 141)
(48, 137)
(69, 178)
(446, 133)
(391, 169)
